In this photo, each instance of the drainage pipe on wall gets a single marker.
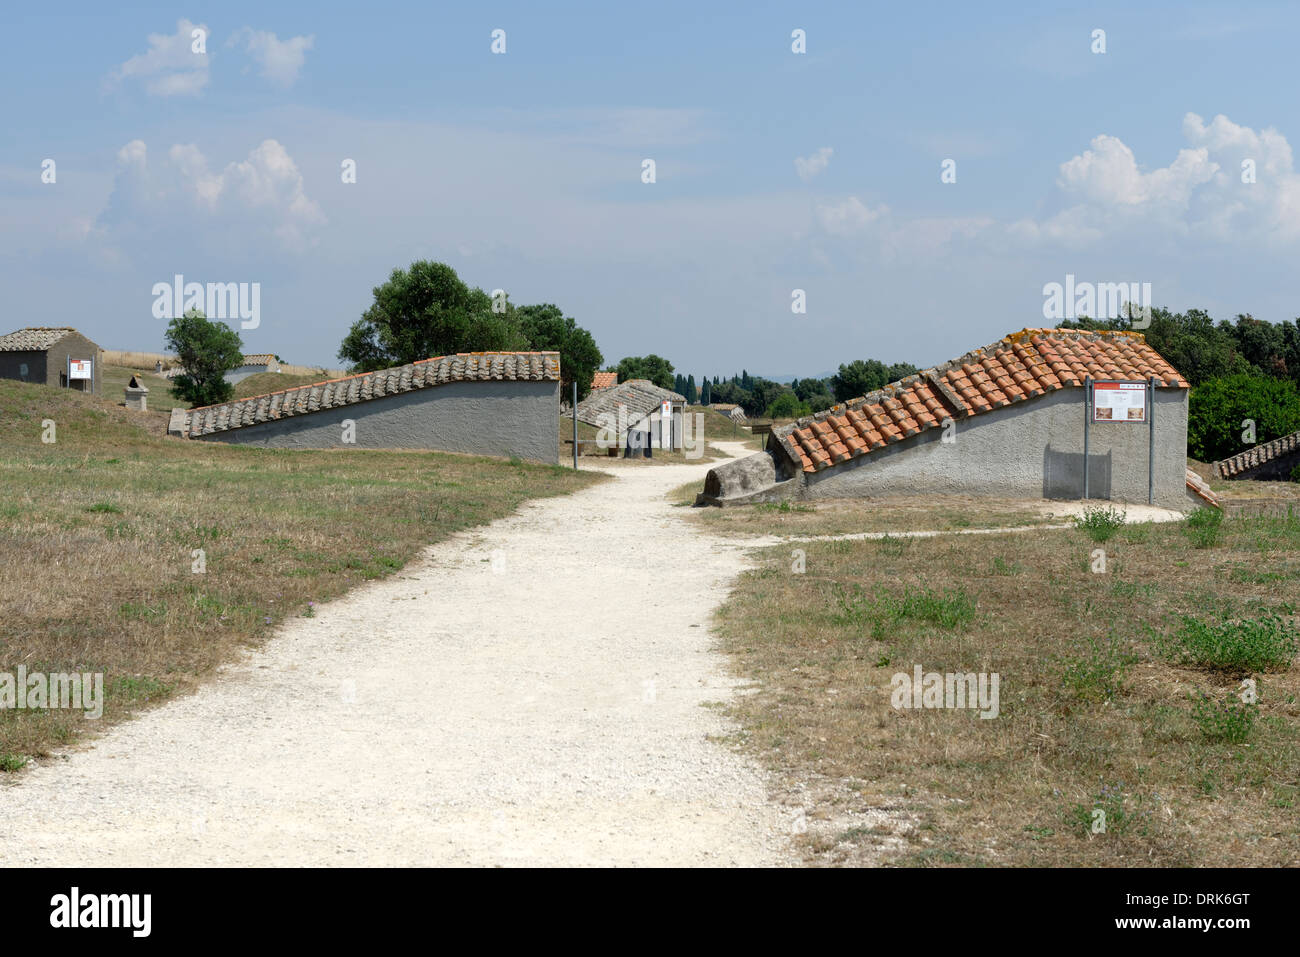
(1087, 426)
(1151, 441)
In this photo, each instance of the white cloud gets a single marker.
(1200, 193)
(809, 166)
(849, 217)
(281, 60)
(245, 200)
(170, 67)
(1108, 173)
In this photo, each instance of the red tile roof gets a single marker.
(603, 380)
(1259, 455)
(1201, 489)
(1022, 366)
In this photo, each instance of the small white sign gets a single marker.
(1119, 402)
(81, 368)
(666, 409)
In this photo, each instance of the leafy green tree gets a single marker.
(546, 328)
(861, 376)
(655, 368)
(814, 393)
(787, 406)
(729, 391)
(762, 395)
(1218, 410)
(706, 393)
(206, 351)
(427, 311)
(691, 393)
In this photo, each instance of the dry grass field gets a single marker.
(1120, 691)
(265, 382)
(146, 361)
(98, 533)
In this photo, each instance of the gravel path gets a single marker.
(532, 693)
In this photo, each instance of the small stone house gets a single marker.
(1042, 413)
(47, 354)
(634, 406)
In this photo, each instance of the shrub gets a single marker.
(1218, 407)
(1203, 526)
(1246, 644)
(1100, 523)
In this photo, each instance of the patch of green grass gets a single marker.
(107, 507)
(1202, 526)
(1002, 567)
(1112, 811)
(1099, 673)
(948, 608)
(1100, 523)
(136, 688)
(12, 762)
(1230, 721)
(1263, 643)
(784, 507)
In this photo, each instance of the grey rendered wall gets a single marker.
(486, 418)
(240, 373)
(11, 364)
(74, 346)
(1031, 449)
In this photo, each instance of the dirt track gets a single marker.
(544, 708)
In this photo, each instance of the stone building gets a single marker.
(1007, 420)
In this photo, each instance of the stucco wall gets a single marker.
(488, 418)
(11, 364)
(240, 373)
(1031, 449)
(75, 346)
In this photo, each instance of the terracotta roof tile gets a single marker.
(1258, 455)
(33, 338)
(1024, 365)
(603, 380)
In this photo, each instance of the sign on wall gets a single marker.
(1119, 402)
(81, 368)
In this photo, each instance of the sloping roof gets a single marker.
(723, 406)
(603, 380)
(331, 394)
(1201, 489)
(1021, 366)
(258, 359)
(639, 396)
(33, 338)
(1259, 455)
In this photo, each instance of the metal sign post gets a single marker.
(575, 424)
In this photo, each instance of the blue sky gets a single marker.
(523, 170)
